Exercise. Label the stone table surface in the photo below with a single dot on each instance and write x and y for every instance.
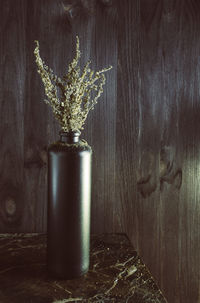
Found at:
(116, 273)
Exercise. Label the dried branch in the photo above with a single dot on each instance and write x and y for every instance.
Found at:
(72, 107)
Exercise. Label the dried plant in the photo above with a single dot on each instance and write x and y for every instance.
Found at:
(70, 96)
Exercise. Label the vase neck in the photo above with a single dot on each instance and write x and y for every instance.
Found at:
(70, 137)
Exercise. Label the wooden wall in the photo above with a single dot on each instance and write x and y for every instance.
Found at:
(159, 83)
(145, 130)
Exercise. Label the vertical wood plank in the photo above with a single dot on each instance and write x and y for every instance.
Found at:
(104, 54)
(12, 82)
(35, 120)
(128, 112)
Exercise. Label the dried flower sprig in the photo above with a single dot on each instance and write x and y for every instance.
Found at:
(70, 96)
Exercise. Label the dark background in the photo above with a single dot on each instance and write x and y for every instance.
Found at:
(145, 130)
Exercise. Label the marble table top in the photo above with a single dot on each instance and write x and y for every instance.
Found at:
(116, 273)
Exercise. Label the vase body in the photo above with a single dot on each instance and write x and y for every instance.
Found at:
(68, 221)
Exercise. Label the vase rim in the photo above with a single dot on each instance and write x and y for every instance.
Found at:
(70, 132)
(71, 136)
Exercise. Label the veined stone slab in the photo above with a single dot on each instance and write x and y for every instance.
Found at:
(116, 273)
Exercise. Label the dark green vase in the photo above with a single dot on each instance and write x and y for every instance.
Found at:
(68, 222)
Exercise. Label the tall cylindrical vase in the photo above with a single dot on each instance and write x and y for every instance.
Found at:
(68, 221)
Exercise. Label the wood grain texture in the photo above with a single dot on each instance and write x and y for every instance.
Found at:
(13, 66)
(159, 139)
(144, 131)
(104, 54)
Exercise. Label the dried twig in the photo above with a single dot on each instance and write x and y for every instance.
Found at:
(74, 102)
